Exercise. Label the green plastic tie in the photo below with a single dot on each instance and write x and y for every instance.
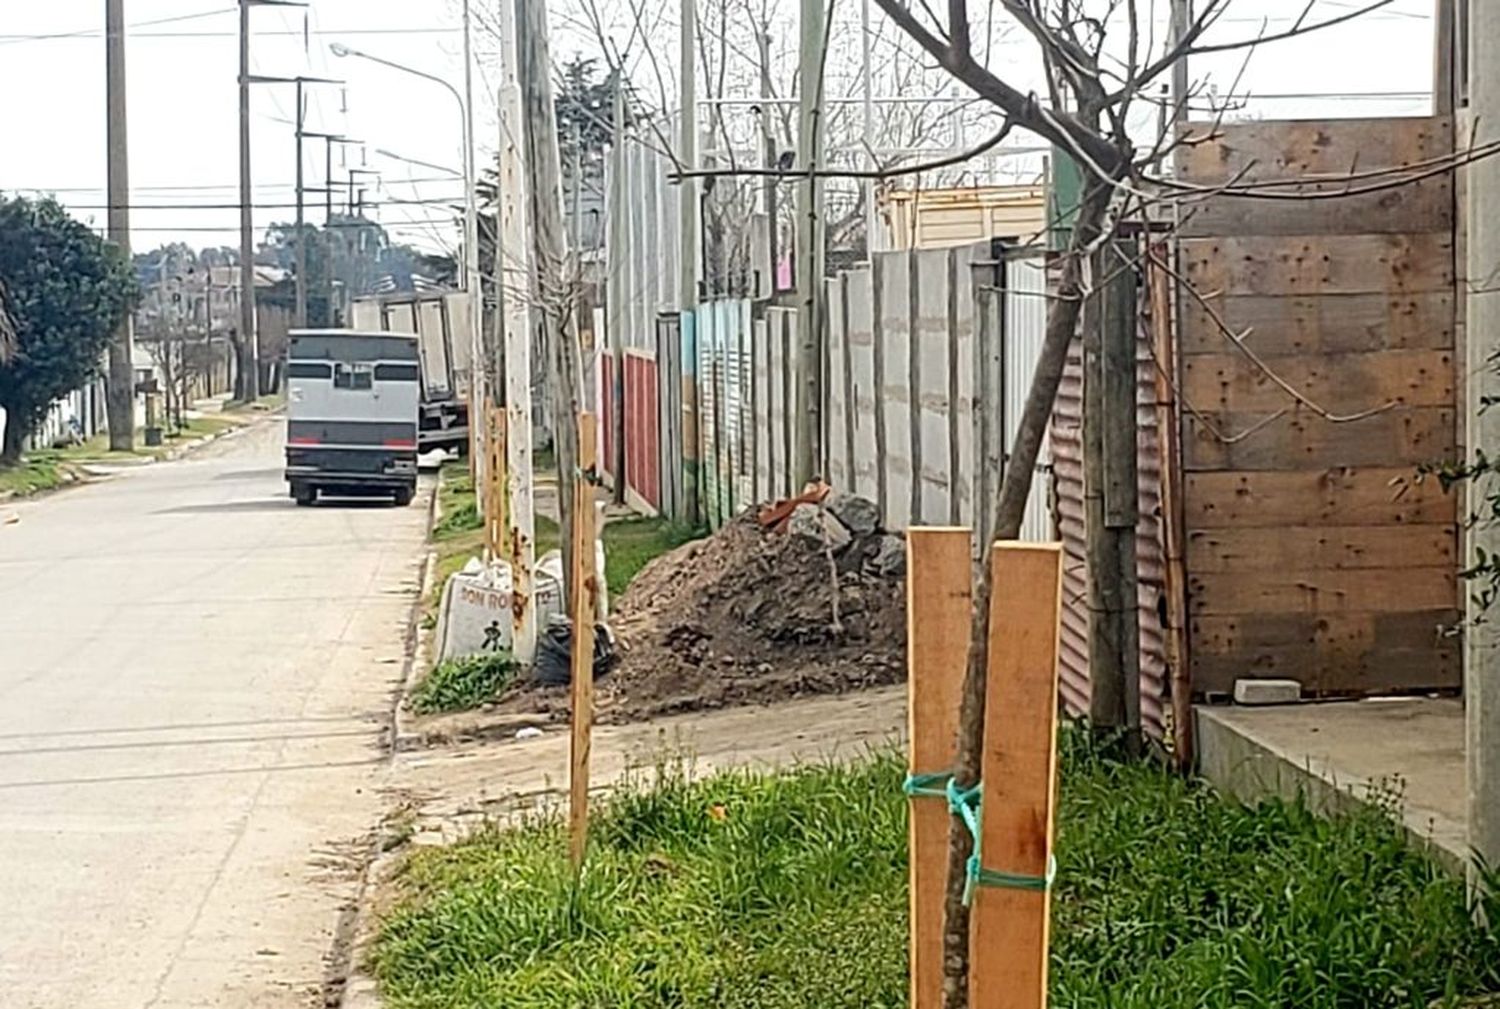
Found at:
(965, 804)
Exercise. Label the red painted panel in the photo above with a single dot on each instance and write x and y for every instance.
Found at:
(642, 436)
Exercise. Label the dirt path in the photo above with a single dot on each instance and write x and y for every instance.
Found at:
(448, 791)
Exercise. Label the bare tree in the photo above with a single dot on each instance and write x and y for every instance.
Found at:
(1098, 60)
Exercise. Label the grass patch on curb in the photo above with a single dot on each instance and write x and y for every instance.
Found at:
(779, 891)
(35, 473)
(629, 543)
(461, 684)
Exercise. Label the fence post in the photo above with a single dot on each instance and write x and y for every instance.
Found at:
(1008, 927)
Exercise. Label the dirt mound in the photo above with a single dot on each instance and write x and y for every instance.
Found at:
(749, 615)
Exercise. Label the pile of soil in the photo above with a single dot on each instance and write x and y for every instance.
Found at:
(747, 616)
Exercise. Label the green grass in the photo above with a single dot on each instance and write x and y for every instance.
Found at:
(461, 684)
(628, 543)
(35, 473)
(782, 891)
(46, 469)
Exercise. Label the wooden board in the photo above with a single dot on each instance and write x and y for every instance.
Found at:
(1423, 205)
(584, 580)
(1320, 264)
(1340, 653)
(1329, 323)
(1321, 547)
(1346, 383)
(1281, 149)
(1323, 590)
(1409, 436)
(939, 586)
(1333, 496)
(1008, 928)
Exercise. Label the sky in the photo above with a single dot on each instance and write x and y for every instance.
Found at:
(183, 59)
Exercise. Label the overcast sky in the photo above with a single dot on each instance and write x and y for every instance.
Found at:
(183, 60)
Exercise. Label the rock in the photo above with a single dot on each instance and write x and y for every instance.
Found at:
(890, 557)
(859, 514)
(816, 525)
(529, 732)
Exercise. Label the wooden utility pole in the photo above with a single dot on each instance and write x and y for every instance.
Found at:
(1110, 494)
(1182, 17)
(555, 286)
(513, 256)
(120, 389)
(807, 453)
(688, 253)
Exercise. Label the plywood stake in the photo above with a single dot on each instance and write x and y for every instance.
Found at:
(582, 606)
(939, 589)
(1008, 927)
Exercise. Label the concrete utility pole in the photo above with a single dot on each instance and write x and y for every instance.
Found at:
(807, 453)
(120, 389)
(1182, 17)
(1482, 638)
(513, 254)
(555, 286)
(249, 363)
(300, 314)
(688, 264)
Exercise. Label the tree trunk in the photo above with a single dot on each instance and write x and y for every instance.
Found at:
(15, 434)
(1014, 490)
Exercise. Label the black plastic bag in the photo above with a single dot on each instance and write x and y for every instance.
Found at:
(554, 652)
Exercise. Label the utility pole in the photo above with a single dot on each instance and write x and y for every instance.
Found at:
(513, 255)
(769, 157)
(1182, 18)
(807, 452)
(300, 315)
(120, 389)
(867, 102)
(688, 262)
(556, 288)
(249, 364)
(1110, 496)
(1482, 306)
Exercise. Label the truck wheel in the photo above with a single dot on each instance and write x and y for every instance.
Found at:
(304, 495)
(403, 496)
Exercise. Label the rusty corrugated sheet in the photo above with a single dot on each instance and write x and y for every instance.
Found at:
(1067, 465)
(1067, 473)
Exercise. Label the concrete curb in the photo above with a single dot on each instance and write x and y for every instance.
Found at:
(359, 990)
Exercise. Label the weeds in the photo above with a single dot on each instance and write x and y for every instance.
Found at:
(460, 684)
(789, 890)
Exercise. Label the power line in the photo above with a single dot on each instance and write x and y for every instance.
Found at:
(95, 33)
(387, 202)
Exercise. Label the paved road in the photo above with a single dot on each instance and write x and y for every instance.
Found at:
(195, 678)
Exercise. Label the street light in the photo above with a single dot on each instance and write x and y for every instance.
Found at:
(471, 209)
(471, 237)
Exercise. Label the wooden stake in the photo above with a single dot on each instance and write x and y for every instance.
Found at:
(939, 580)
(583, 604)
(1008, 927)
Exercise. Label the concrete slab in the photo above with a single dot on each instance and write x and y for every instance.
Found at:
(1339, 753)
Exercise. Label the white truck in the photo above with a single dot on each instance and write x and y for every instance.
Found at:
(440, 322)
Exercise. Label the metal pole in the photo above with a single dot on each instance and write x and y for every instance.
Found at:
(807, 449)
(688, 239)
(120, 390)
(249, 340)
(300, 317)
